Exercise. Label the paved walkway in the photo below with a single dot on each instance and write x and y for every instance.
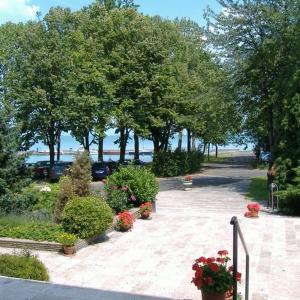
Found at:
(155, 258)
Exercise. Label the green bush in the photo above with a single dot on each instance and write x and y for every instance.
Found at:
(23, 266)
(17, 203)
(22, 228)
(81, 174)
(139, 183)
(86, 216)
(168, 164)
(282, 172)
(289, 201)
(117, 200)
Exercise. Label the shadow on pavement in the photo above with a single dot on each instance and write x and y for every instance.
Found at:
(20, 289)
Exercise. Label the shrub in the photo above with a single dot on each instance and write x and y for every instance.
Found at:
(86, 216)
(80, 173)
(125, 221)
(67, 239)
(176, 163)
(17, 203)
(289, 201)
(117, 199)
(138, 182)
(23, 266)
(282, 172)
(21, 228)
(66, 193)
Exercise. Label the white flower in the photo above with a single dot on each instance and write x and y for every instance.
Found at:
(45, 189)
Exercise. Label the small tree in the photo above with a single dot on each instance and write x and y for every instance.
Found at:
(81, 174)
(66, 193)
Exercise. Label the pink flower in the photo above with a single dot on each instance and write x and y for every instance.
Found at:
(132, 198)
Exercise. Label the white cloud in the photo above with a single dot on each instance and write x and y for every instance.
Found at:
(17, 10)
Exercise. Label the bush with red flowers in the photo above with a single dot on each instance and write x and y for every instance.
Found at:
(253, 209)
(145, 210)
(212, 275)
(125, 221)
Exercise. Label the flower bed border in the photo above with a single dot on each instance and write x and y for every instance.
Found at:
(6, 242)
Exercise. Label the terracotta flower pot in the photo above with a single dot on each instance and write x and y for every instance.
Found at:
(212, 296)
(69, 250)
(145, 214)
(187, 185)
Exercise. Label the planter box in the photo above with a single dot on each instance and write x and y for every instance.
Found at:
(6, 242)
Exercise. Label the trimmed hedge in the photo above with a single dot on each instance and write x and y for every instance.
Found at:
(86, 216)
(168, 164)
(23, 266)
(289, 201)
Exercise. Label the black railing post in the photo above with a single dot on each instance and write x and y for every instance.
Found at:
(235, 256)
(238, 233)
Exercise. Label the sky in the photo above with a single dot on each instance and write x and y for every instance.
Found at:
(23, 10)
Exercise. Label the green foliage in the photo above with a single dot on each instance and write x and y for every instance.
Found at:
(86, 216)
(67, 239)
(22, 228)
(117, 199)
(23, 266)
(80, 173)
(176, 163)
(258, 189)
(66, 193)
(17, 203)
(289, 201)
(282, 172)
(139, 182)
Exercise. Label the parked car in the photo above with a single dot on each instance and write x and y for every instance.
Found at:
(40, 169)
(135, 162)
(265, 157)
(59, 169)
(100, 170)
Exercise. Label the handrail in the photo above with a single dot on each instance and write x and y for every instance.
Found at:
(238, 233)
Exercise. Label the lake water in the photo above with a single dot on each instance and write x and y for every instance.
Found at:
(69, 143)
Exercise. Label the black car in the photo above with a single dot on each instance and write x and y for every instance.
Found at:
(40, 169)
(100, 170)
(135, 162)
(59, 169)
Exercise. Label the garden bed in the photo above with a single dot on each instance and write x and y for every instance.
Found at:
(57, 247)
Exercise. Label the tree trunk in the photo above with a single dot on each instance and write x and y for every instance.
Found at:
(271, 128)
(86, 144)
(58, 147)
(208, 151)
(193, 143)
(188, 140)
(216, 150)
(123, 142)
(100, 148)
(179, 140)
(51, 145)
(156, 145)
(136, 147)
(204, 148)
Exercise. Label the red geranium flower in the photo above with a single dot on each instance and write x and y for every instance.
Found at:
(214, 267)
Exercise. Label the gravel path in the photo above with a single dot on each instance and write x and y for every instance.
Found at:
(155, 258)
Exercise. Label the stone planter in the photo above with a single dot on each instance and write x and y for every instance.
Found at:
(187, 185)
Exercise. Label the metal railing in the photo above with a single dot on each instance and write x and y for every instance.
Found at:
(237, 233)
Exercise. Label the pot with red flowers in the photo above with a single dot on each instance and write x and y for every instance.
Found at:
(145, 210)
(253, 210)
(124, 221)
(187, 183)
(213, 277)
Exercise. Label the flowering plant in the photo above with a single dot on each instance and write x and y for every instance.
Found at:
(145, 209)
(188, 178)
(67, 239)
(125, 221)
(212, 274)
(253, 209)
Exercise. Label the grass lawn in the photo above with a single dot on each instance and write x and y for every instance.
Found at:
(258, 189)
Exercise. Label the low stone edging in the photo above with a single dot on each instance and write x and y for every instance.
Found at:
(57, 247)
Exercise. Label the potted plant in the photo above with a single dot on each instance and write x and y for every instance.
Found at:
(253, 210)
(213, 277)
(145, 210)
(187, 182)
(68, 241)
(125, 221)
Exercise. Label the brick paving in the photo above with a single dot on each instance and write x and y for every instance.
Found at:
(155, 258)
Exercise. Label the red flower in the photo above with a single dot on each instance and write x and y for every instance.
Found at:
(223, 252)
(208, 280)
(238, 276)
(230, 269)
(197, 281)
(214, 267)
(201, 259)
(220, 260)
(210, 260)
